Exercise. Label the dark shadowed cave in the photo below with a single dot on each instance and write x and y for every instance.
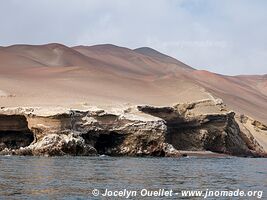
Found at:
(15, 139)
(104, 142)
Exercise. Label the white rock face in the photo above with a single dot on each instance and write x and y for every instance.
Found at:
(61, 144)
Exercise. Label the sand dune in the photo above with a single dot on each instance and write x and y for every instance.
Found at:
(54, 74)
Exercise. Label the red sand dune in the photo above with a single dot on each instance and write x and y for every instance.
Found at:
(54, 74)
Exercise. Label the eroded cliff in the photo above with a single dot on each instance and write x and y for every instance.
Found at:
(134, 131)
(207, 126)
(91, 132)
(14, 132)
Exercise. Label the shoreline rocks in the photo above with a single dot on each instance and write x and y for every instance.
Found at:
(133, 131)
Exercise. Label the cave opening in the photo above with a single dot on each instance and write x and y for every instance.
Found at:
(15, 139)
(184, 136)
(105, 142)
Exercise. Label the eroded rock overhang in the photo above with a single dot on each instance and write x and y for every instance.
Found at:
(14, 132)
(90, 132)
(133, 131)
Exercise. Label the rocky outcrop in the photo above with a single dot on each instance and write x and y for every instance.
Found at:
(14, 132)
(94, 132)
(205, 125)
(134, 131)
(254, 133)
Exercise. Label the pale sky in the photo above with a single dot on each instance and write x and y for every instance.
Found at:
(223, 36)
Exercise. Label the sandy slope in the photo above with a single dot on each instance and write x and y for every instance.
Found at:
(54, 74)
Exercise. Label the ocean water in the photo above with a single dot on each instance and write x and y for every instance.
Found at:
(76, 177)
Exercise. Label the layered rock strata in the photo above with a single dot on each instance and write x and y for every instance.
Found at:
(91, 132)
(133, 131)
(207, 125)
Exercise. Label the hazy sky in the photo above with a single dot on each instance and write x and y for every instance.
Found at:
(224, 36)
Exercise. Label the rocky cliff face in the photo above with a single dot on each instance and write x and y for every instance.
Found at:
(254, 134)
(190, 127)
(134, 131)
(92, 132)
(14, 132)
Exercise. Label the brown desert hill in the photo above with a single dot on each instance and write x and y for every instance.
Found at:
(257, 82)
(244, 94)
(122, 59)
(49, 55)
(55, 74)
(160, 56)
(10, 60)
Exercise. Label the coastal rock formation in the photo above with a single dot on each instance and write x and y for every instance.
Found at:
(72, 132)
(207, 125)
(144, 130)
(14, 132)
(254, 133)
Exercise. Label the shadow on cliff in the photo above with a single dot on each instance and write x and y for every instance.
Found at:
(14, 132)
